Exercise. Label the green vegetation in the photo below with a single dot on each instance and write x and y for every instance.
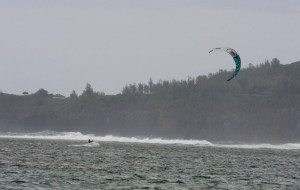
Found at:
(262, 104)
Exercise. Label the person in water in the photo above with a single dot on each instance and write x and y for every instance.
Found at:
(90, 140)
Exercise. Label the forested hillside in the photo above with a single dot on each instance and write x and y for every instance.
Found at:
(262, 104)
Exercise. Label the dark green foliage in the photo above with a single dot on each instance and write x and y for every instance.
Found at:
(88, 90)
(261, 104)
(41, 93)
(73, 94)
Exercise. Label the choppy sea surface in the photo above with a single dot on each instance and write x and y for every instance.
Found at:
(55, 160)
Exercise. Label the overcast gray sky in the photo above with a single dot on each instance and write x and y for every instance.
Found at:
(60, 45)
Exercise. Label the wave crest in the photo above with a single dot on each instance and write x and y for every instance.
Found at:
(53, 135)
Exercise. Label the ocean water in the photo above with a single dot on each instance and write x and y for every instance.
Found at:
(54, 160)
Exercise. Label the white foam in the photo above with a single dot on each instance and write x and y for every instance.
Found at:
(52, 135)
(287, 146)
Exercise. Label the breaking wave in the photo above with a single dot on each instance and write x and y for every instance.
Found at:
(52, 135)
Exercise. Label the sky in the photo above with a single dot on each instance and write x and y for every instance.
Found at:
(61, 45)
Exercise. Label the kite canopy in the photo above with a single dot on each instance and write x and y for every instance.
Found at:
(235, 57)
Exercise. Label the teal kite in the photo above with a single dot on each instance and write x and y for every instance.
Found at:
(235, 57)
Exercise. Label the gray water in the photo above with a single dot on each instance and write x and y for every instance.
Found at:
(59, 164)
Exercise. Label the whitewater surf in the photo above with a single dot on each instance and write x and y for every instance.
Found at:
(75, 136)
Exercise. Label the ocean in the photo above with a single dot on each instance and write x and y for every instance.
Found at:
(64, 160)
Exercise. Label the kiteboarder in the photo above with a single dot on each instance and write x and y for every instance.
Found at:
(90, 141)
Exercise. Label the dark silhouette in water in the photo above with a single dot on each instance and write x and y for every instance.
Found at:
(90, 141)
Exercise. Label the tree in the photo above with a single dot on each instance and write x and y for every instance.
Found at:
(73, 94)
(150, 84)
(140, 88)
(126, 90)
(88, 90)
(275, 62)
(41, 93)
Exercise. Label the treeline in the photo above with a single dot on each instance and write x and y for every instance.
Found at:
(262, 104)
